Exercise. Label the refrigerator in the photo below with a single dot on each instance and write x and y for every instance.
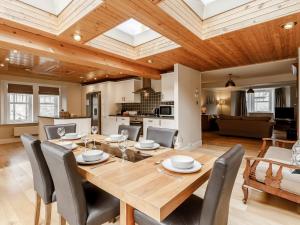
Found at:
(93, 108)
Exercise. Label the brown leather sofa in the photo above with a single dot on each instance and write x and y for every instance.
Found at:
(254, 127)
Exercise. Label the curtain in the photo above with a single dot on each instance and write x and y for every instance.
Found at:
(279, 97)
(241, 104)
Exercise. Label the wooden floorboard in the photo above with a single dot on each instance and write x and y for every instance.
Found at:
(17, 194)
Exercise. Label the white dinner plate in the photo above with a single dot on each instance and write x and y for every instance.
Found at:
(155, 146)
(74, 145)
(80, 160)
(71, 138)
(167, 164)
(109, 140)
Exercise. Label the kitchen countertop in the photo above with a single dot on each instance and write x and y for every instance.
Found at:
(147, 116)
(65, 118)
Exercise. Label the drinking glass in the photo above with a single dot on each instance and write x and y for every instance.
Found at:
(61, 132)
(123, 144)
(85, 140)
(94, 131)
(177, 142)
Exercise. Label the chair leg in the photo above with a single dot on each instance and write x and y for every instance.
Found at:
(62, 221)
(246, 193)
(37, 209)
(48, 209)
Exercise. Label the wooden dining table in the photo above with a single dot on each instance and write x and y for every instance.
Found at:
(145, 185)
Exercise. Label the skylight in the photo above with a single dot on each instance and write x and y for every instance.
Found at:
(132, 27)
(205, 2)
(51, 6)
(132, 32)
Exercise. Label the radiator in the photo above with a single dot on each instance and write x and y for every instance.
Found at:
(18, 131)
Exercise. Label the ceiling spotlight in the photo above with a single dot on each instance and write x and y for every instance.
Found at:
(2, 65)
(95, 78)
(15, 51)
(289, 25)
(77, 37)
(27, 69)
(6, 59)
(230, 82)
(150, 61)
(106, 76)
(81, 77)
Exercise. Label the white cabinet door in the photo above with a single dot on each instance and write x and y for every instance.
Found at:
(122, 121)
(168, 123)
(109, 125)
(149, 122)
(124, 91)
(167, 87)
(119, 92)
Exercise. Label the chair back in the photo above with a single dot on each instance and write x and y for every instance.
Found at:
(42, 180)
(134, 132)
(218, 192)
(71, 202)
(164, 137)
(51, 130)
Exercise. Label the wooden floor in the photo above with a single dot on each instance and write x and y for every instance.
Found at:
(17, 195)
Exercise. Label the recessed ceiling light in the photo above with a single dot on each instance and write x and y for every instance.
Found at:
(289, 25)
(28, 69)
(2, 65)
(77, 37)
(150, 61)
(15, 51)
(6, 59)
(106, 75)
(121, 72)
(81, 77)
(95, 78)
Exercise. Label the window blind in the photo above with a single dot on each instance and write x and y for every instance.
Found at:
(20, 89)
(48, 90)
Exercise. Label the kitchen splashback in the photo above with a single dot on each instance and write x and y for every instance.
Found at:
(147, 103)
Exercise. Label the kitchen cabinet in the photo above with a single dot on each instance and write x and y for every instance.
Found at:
(124, 91)
(159, 123)
(110, 124)
(167, 87)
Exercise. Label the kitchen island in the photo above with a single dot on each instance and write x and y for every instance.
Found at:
(83, 124)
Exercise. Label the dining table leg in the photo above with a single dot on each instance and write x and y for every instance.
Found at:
(126, 214)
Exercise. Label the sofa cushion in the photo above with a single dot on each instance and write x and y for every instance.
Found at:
(256, 118)
(227, 117)
(290, 181)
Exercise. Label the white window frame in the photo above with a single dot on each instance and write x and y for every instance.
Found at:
(8, 109)
(251, 101)
(4, 115)
(58, 104)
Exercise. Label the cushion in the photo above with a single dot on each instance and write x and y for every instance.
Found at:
(290, 181)
(255, 118)
(227, 117)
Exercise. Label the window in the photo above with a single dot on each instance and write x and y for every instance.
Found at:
(261, 100)
(20, 107)
(49, 105)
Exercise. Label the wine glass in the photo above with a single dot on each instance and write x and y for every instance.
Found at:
(177, 142)
(123, 144)
(85, 140)
(94, 131)
(61, 132)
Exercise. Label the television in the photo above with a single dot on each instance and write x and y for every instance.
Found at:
(284, 113)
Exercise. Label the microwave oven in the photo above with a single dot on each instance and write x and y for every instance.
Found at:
(166, 110)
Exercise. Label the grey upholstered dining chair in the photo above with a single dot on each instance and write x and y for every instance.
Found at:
(134, 132)
(51, 130)
(163, 136)
(78, 202)
(213, 209)
(42, 180)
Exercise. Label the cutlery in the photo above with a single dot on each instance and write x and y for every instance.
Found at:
(101, 164)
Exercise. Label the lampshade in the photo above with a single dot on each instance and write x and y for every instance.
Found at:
(250, 91)
(230, 82)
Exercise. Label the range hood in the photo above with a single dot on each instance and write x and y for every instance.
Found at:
(146, 86)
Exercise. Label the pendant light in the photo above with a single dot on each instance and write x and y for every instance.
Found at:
(250, 91)
(230, 82)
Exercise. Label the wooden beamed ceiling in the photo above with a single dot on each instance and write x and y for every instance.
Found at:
(254, 44)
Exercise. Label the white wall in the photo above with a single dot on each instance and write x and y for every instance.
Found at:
(187, 111)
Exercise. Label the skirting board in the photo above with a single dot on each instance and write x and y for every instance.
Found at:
(9, 140)
(191, 146)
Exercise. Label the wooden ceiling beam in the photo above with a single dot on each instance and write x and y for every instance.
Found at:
(12, 38)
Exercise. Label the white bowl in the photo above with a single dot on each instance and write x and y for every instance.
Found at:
(92, 155)
(182, 161)
(66, 144)
(147, 143)
(71, 135)
(115, 137)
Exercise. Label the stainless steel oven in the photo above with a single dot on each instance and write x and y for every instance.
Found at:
(137, 121)
(166, 110)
